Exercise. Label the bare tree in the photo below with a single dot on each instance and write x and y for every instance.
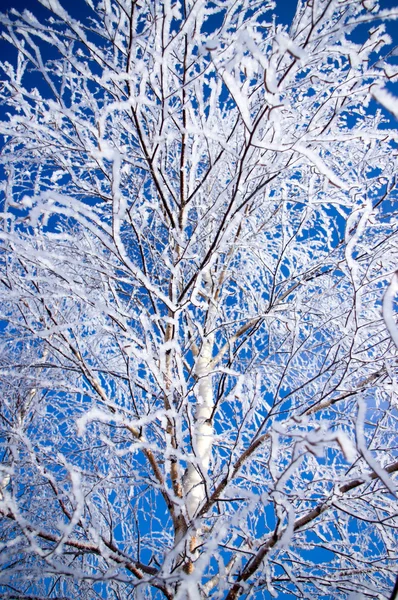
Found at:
(198, 372)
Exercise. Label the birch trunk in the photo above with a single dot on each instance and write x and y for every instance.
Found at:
(202, 434)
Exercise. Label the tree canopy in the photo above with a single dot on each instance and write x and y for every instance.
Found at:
(198, 349)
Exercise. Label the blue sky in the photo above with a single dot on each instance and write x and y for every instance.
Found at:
(285, 10)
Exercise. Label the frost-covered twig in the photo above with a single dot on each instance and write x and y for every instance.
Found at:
(388, 308)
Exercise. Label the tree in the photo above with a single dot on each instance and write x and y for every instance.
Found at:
(198, 371)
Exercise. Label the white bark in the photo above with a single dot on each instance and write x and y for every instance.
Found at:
(202, 430)
(175, 280)
(202, 434)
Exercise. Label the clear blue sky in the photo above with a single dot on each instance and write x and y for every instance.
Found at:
(284, 9)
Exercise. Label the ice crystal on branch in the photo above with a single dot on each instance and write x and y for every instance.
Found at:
(198, 369)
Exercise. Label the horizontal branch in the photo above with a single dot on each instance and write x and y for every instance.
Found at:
(135, 567)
